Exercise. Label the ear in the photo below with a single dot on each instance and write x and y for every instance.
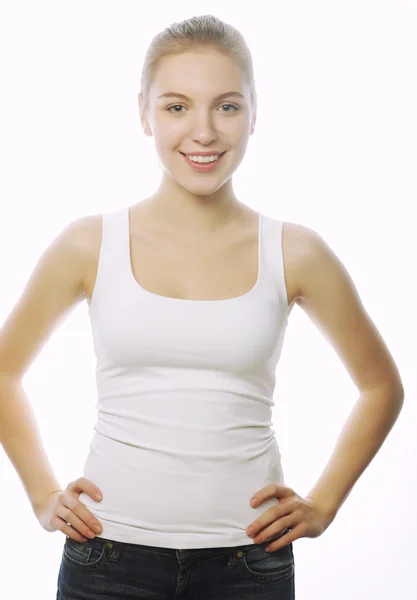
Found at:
(143, 116)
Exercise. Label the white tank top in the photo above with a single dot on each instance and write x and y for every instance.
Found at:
(185, 388)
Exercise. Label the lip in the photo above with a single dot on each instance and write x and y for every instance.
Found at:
(206, 167)
(212, 153)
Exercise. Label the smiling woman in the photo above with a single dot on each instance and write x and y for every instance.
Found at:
(211, 114)
(190, 293)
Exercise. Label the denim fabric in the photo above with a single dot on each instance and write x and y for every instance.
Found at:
(101, 569)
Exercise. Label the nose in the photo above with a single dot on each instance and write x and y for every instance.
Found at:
(204, 131)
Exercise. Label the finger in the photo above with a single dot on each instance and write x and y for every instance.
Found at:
(277, 528)
(70, 517)
(82, 484)
(270, 517)
(283, 541)
(82, 512)
(266, 492)
(60, 525)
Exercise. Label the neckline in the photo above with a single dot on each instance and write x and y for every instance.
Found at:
(190, 301)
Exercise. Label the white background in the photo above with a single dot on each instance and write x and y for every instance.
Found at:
(334, 149)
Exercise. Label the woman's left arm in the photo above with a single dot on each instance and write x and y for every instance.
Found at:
(328, 296)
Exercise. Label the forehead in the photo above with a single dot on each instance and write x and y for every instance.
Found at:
(193, 72)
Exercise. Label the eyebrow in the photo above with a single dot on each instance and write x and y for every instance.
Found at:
(184, 97)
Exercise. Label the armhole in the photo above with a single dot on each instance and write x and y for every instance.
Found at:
(280, 264)
(101, 234)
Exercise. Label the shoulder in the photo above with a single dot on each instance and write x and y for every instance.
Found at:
(86, 230)
(301, 248)
(84, 235)
(322, 282)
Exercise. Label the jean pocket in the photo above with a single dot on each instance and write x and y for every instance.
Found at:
(86, 554)
(269, 566)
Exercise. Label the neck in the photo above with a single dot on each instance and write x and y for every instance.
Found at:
(192, 215)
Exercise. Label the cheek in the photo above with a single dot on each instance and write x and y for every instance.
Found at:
(168, 134)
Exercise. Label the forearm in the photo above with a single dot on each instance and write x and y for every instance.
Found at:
(364, 432)
(21, 440)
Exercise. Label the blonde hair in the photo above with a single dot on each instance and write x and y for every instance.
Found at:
(206, 31)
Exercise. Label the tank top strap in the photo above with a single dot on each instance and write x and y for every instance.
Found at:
(112, 269)
(273, 257)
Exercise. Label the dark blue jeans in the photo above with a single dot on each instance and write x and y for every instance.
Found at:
(101, 569)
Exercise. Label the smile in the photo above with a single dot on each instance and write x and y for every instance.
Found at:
(207, 166)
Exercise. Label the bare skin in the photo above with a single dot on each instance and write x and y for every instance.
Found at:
(220, 265)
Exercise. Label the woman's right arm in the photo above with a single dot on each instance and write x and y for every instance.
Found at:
(54, 288)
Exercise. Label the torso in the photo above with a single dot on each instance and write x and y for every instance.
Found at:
(221, 267)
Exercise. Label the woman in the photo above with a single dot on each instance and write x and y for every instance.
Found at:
(189, 295)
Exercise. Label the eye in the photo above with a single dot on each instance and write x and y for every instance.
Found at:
(175, 106)
(235, 108)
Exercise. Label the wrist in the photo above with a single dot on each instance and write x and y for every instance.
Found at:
(37, 503)
(328, 510)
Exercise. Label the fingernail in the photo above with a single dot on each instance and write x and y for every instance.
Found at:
(254, 501)
(98, 496)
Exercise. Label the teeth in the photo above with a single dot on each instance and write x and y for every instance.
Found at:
(203, 159)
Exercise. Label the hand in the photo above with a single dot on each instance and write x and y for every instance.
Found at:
(305, 516)
(61, 510)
